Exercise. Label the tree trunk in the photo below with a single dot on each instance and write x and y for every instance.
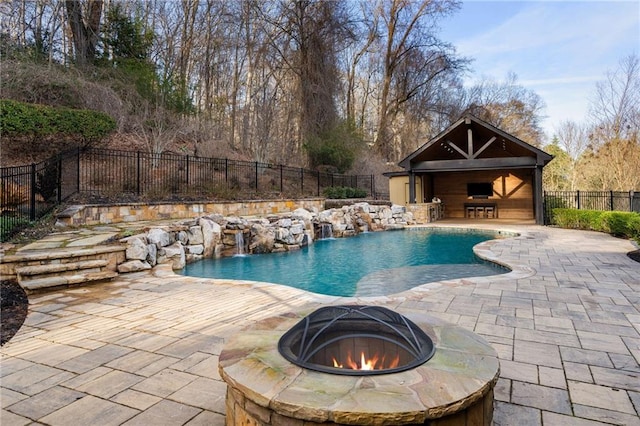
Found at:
(85, 37)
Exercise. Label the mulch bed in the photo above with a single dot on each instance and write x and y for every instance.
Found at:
(14, 308)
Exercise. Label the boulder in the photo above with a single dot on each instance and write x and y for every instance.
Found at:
(195, 235)
(397, 210)
(284, 223)
(303, 214)
(133, 266)
(137, 249)
(159, 237)
(182, 237)
(210, 235)
(262, 239)
(283, 235)
(297, 228)
(173, 254)
(152, 254)
(194, 249)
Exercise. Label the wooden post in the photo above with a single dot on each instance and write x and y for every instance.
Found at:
(412, 188)
(537, 196)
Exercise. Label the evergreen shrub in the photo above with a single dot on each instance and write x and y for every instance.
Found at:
(619, 224)
(38, 121)
(342, 192)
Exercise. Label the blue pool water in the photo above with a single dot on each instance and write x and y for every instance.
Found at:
(370, 264)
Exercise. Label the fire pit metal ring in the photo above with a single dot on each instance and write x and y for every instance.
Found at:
(356, 340)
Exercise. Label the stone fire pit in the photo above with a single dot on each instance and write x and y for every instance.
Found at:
(455, 387)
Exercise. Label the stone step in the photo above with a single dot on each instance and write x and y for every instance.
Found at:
(61, 253)
(66, 280)
(10, 264)
(56, 268)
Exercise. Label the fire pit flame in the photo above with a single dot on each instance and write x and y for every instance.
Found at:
(356, 340)
(366, 364)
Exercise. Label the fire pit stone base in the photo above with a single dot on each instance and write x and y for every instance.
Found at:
(455, 387)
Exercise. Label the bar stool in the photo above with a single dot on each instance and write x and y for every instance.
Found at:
(471, 211)
(489, 212)
(479, 212)
(433, 214)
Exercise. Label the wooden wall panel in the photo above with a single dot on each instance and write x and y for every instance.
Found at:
(513, 191)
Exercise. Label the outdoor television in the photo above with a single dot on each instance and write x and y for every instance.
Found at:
(480, 190)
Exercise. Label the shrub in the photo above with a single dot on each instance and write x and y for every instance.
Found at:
(619, 224)
(341, 192)
(336, 147)
(39, 121)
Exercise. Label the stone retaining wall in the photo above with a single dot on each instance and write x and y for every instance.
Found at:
(215, 235)
(136, 212)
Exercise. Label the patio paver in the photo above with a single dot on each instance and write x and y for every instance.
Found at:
(143, 349)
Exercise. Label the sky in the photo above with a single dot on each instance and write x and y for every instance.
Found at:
(558, 49)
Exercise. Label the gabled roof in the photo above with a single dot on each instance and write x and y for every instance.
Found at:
(471, 143)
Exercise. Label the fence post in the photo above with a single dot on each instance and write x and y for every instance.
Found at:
(611, 200)
(59, 180)
(256, 175)
(578, 199)
(138, 172)
(318, 182)
(281, 187)
(373, 192)
(631, 200)
(32, 201)
(226, 171)
(302, 180)
(187, 169)
(78, 172)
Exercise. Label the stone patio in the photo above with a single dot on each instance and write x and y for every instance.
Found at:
(143, 349)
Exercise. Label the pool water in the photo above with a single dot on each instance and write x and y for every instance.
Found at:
(370, 264)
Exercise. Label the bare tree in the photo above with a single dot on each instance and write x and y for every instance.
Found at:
(85, 30)
(412, 57)
(574, 140)
(361, 44)
(509, 106)
(615, 107)
(615, 134)
(156, 129)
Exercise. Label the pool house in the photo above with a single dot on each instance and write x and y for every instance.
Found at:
(476, 170)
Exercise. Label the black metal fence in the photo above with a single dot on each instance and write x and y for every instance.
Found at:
(29, 192)
(626, 201)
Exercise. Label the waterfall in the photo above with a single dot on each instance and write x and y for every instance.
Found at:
(326, 231)
(239, 244)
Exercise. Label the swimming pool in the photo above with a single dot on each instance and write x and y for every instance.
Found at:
(370, 264)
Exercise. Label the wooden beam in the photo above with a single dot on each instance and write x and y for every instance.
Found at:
(474, 164)
(452, 145)
(485, 146)
(469, 143)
